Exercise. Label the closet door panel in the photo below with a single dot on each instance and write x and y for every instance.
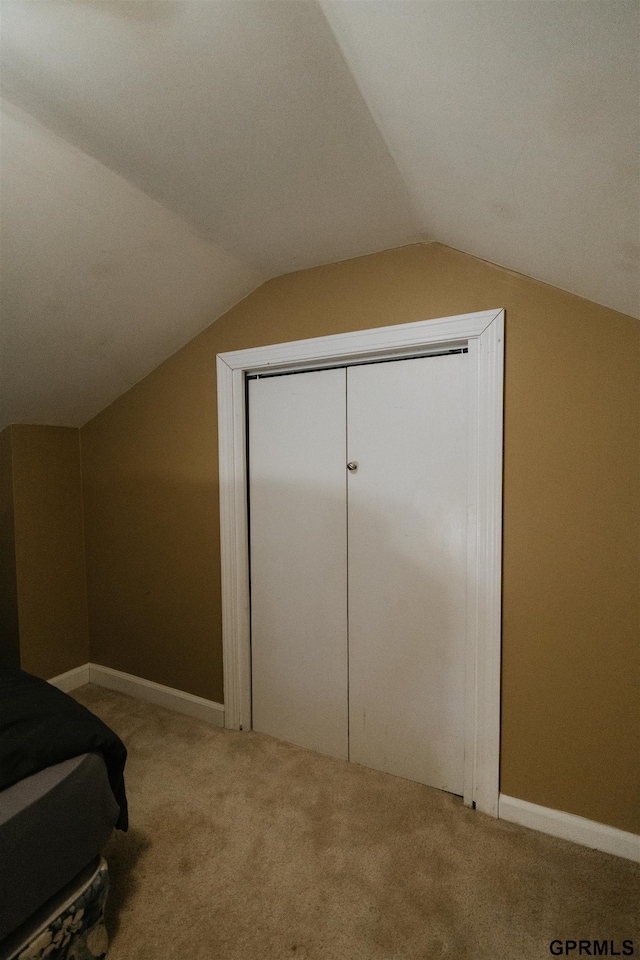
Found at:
(297, 514)
(407, 543)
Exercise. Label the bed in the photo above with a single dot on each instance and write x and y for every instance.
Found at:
(62, 793)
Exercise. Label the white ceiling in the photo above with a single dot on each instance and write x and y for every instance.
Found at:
(161, 159)
(516, 127)
(100, 283)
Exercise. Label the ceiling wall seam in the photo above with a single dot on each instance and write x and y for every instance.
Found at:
(373, 113)
(172, 355)
(534, 279)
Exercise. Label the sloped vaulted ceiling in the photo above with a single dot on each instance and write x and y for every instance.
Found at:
(161, 159)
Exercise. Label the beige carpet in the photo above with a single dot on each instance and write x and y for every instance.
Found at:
(245, 848)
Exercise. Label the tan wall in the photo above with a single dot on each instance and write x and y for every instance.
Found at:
(570, 711)
(9, 636)
(50, 564)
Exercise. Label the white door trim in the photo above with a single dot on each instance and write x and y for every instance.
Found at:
(483, 333)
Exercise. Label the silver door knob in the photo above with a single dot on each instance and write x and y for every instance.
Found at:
(352, 465)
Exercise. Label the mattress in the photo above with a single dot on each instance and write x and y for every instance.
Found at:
(70, 926)
(52, 824)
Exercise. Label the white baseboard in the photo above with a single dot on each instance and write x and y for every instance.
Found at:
(157, 693)
(567, 826)
(556, 823)
(141, 689)
(72, 678)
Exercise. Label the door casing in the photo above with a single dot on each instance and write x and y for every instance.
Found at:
(483, 334)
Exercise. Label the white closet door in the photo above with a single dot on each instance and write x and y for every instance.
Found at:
(407, 522)
(297, 502)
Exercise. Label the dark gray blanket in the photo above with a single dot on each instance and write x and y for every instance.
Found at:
(40, 726)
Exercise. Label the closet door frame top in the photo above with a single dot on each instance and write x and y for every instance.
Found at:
(483, 335)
